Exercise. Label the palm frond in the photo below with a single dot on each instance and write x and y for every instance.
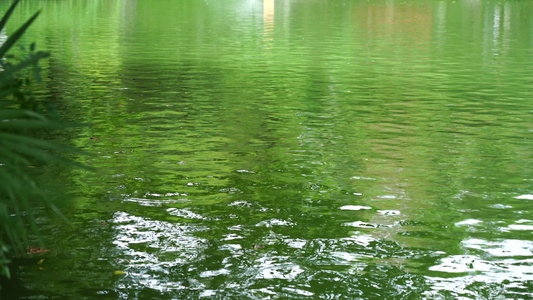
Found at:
(17, 35)
(21, 116)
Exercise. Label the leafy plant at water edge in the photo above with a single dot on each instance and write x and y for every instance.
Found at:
(22, 116)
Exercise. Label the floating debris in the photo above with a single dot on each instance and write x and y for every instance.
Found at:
(37, 250)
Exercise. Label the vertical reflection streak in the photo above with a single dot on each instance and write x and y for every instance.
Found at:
(268, 21)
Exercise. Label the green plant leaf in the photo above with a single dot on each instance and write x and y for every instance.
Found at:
(16, 36)
(8, 13)
(9, 72)
(28, 124)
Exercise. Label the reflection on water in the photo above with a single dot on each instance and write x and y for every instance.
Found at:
(293, 149)
(268, 18)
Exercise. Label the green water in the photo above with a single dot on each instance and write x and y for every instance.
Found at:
(372, 149)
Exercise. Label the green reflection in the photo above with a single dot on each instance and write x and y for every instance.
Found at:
(227, 124)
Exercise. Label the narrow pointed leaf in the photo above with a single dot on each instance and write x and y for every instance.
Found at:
(8, 13)
(16, 36)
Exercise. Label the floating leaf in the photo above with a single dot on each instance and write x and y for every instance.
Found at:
(37, 250)
(118, 272)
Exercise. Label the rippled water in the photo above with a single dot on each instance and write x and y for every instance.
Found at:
(289, 149)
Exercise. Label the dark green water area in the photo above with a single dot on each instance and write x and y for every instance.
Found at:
(287, 149)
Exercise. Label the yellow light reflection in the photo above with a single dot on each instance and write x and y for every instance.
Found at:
(268, 21)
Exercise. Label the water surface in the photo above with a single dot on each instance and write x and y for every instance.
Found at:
(288, 149)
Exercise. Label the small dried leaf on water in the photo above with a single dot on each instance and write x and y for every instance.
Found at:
(118, 272)
(258, 246)
(40, 262)
(37, 250)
